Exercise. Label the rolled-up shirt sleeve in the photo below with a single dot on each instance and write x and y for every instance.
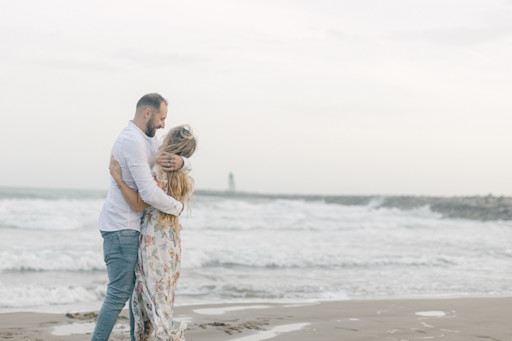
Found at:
(187, 165)
(137, 161)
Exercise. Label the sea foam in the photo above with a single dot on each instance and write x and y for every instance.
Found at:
(243, 248)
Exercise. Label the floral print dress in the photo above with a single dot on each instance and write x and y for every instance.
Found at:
(156, 277)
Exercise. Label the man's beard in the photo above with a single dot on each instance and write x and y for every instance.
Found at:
(150, 128)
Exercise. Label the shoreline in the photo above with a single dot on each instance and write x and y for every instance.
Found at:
(469, 318)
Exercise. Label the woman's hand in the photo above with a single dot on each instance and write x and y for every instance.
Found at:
(115, 170)
(170, 162)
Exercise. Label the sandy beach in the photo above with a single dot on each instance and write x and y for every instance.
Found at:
(394, 320)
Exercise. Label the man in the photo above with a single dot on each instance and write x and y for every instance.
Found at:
(119, 224)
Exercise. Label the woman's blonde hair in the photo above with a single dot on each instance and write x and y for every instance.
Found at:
(180, 141)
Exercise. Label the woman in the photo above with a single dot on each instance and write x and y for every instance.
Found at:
(158, 267)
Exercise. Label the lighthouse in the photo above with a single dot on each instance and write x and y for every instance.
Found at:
(231, 183)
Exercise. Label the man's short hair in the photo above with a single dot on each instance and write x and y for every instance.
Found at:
(153, 100)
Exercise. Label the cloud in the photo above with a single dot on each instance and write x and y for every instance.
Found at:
(336, 34)
(142, 56)
(457, 36)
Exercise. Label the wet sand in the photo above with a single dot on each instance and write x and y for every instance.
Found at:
(394, 320)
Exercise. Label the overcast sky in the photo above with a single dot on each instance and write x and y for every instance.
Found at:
(328, 97)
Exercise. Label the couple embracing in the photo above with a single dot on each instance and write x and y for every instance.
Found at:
(139, 224)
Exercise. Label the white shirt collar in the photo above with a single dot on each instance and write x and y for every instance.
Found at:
(134, 126)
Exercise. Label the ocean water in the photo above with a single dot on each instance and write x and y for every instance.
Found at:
(254, 248)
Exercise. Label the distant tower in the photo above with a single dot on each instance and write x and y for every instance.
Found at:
(231, 183)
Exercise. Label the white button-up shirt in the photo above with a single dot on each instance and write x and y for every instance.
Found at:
(135, 151)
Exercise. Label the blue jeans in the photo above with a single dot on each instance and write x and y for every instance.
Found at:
(120, 250)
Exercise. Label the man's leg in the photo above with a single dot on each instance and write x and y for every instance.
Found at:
(120, 250)
(132, 320)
